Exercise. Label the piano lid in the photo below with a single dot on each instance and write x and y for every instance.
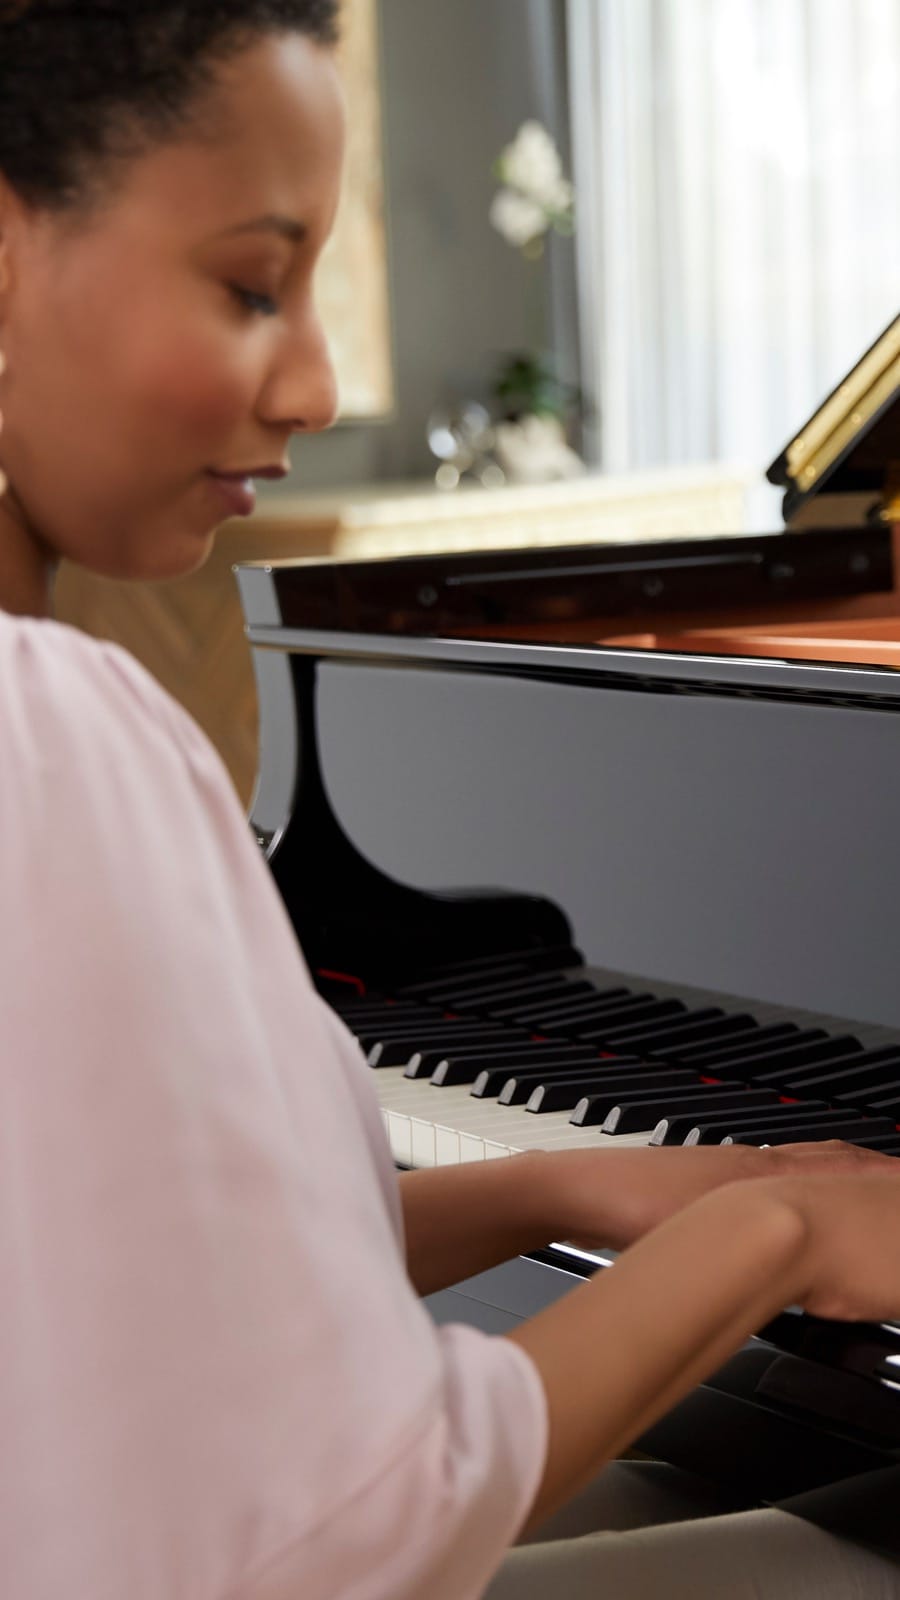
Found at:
(846, 457)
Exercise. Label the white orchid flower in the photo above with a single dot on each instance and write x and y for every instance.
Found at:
(519, 219)
(532, 165)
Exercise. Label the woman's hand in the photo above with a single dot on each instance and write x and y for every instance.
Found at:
(852, 1261)
(624, 1348)
(616, 1196)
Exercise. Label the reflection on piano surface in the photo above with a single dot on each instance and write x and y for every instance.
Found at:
(488, 1031)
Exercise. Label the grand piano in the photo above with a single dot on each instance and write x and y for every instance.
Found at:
(693, 934)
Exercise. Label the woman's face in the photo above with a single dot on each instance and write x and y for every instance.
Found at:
(172, 335)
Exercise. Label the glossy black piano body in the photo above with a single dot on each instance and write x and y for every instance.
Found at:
(718, 824)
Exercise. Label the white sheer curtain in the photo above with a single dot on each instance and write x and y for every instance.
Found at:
(738, 174)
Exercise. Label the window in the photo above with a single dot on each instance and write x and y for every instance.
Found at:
(738, 172)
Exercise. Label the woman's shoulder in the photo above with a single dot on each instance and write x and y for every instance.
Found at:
(62, 689)
(40, 655)
(101, 768)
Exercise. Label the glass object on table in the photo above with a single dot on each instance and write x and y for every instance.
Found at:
(461, 437)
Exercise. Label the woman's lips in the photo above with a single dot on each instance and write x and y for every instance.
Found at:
(238, 494)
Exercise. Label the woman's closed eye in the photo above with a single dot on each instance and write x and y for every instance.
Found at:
(261, 304)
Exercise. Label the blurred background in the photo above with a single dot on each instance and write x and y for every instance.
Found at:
(737, 194)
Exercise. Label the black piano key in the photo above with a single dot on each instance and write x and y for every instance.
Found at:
(560, 1010)
(748, 1031)
(595, 1108)
(494, 1078)
(514, 1009)
(838, 1071)
(814, 1115)
(745, 1058)
(682, 1019)
(888, 1144)
(656, 1035)
(887, 1103)
(447, 980)
(777, 1065)
(883, 1095)
(558, 958)
(385, 1029)
(439, 986)
(674, 1129)
(519, 1086)
(357, 1017)
(424, 1062)
(618, 1010)
(562, 1094)
(667, 1037)
(533, 1011)
(606, 1031)
(706, 1056)
(374, 1002)
(793, 1069)
(400, 1052)
(492, 1081)
(861, 1077)
(852, 1131)
(638, 1111)
(457, 1071)
(385, 1025)
(396, 1049)
(554, 985)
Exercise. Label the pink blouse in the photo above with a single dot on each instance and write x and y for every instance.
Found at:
(216, 1382)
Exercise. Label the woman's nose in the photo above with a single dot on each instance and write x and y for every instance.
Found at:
(302, 393)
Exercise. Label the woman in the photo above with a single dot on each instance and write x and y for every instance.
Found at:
(216, 1379)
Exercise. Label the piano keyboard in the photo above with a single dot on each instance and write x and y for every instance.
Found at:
(632, 1063)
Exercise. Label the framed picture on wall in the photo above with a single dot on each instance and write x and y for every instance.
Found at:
(352, 288)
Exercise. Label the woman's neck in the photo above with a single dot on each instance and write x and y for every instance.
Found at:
(27, 566)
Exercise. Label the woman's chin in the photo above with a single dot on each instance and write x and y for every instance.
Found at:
(161, 559)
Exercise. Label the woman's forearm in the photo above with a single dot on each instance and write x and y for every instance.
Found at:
(619, 1352)
(464, 1219)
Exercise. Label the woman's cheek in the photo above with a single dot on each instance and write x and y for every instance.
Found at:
(198, 391)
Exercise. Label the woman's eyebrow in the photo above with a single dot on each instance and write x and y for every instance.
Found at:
(288, 227)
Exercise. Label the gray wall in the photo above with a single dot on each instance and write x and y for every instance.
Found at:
(459, 78)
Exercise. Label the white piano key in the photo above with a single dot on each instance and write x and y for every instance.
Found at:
(446, 1146)
(423, 1143)
(399, 1134)
(470, 1148)
(441, 1127)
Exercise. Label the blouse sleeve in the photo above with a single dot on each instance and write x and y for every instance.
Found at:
(216, 1382)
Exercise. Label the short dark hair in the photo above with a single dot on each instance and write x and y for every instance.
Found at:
(84, 83)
